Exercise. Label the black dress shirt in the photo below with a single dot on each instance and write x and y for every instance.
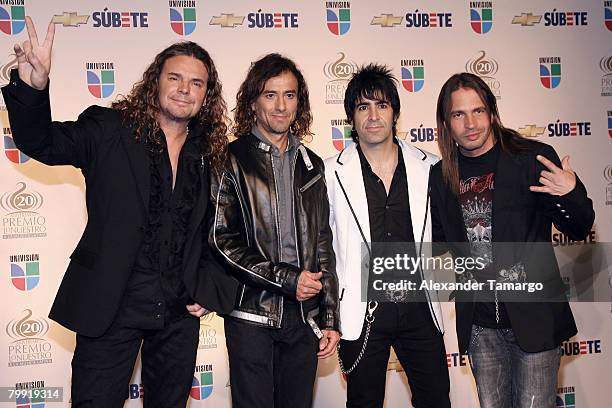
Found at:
(155, 294)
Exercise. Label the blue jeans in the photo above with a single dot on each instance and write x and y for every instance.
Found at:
(508, 377)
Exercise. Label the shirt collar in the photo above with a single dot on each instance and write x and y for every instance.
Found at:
(292, 142)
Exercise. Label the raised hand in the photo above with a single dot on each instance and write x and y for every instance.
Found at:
(34, 60)
(556, 181)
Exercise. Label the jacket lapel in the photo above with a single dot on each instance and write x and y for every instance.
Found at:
(139, 162)
(417, 176)
(505, 192)
(350, 178)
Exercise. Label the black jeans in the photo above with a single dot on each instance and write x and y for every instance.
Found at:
(409, 329)
(102, 366)
(272, 368)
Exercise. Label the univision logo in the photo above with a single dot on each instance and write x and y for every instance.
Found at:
(202, 384)
(25, 271)
(183, 16)
(100, 78)
(12, 16)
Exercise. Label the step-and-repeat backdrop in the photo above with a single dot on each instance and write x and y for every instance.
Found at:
(549, 63)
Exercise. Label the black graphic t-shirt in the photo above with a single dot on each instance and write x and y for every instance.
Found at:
(476, 185)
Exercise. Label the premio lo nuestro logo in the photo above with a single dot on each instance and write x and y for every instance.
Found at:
(550, 72)
(481, 16)
(5, 77)
(100, 78)
(12, 16)
(29, 346)
(338, 16)
(339, 72)
(21, 218)
(413, 74)
(607, 174)
(341, 134)
(486, 68)
(25, 271)
(202, 385)
(207, 334)
(605, 64)
(566, 397)
(183, 16)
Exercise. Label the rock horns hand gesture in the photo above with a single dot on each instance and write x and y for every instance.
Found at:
(557, 180)
(34, 60)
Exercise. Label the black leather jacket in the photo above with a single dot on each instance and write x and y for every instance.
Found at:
(246, 233)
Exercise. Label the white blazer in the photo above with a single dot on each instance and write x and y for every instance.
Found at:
(350, 222)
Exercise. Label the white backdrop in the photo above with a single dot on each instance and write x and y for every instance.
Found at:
(424, 42)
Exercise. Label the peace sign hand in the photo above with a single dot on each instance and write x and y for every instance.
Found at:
(34, 60)
(557, 181)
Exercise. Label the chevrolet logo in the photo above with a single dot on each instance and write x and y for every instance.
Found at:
(531, 131)
(69, 19)
(227, 20)
(526, 19)
(386, 20)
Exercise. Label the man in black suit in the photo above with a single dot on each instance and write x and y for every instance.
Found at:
(491, 187)
(142, 273)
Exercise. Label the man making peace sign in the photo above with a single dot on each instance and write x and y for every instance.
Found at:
(142, 272)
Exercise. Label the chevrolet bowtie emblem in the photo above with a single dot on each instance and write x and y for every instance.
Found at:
(526, 19)
(386, 20)
(531, 131)
(226, 20)
(69, 19)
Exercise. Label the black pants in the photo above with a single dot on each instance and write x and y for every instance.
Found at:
(409, 329)
(102, 366)
(271, 368)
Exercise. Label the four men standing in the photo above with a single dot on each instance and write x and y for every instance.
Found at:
(154, 160)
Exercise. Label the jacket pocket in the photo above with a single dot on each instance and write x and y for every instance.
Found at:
(310, 183)
(84, 256)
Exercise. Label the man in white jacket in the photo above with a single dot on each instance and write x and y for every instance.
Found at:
(378, 196)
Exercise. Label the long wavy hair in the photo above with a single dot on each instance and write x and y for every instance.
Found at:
(267, 67)
(141, 107)
(509, 140)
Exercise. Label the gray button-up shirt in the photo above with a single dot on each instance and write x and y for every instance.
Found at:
(283, 178)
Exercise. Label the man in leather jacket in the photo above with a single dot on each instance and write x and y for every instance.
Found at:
(271, 228)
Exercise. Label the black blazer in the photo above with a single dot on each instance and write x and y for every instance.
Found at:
(519, 216)
(116, 171)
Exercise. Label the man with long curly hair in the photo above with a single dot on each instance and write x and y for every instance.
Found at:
(142, 273)
(271, 226)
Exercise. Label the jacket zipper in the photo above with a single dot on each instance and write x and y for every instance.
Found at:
(297, 253)
(278, 236)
